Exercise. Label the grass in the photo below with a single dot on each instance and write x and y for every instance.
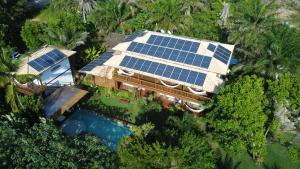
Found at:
(121, 99)
(277, 157)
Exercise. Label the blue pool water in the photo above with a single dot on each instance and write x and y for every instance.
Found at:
(84, 121)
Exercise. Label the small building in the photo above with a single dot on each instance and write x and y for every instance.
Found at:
(50, 67)
(180, 69)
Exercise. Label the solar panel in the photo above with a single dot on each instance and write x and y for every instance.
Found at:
(100, 61)
(46, 60)
(211, 47)
(163, 70)
(134, 36)
(222, 54)
(174, 43)
(180, 56)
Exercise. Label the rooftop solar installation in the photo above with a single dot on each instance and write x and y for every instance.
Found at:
(163, 70)
(46, 60)
(174, 43)
(97, 62)
(175, 55)
(222, 54)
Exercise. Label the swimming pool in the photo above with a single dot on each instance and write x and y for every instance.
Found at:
(85, 121)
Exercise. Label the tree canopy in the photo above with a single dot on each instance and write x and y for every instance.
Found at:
(238, 116)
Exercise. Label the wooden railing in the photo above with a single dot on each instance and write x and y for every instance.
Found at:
(155, 86)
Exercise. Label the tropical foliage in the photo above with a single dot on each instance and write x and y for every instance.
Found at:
(239, 112)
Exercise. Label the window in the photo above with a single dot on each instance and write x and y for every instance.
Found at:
(55, 68)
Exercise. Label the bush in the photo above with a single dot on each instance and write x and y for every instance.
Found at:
(294, 154)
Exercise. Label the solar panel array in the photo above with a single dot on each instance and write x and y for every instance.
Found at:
(222, 54)
(211, 47)
(97, 62)
(163, 70)
(175, 55)
(46, 60)
(174, 43)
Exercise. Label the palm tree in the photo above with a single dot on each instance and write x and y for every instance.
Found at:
(280, 53)
(132, 4)
(8, 65)
(191, 6)
(86, 6)
(168, 15)
(252, 18)
(109, 15)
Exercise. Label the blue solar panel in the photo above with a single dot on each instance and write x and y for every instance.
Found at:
(36, 66)
(132, 46)
(189, 59)
(174, 55)
(200, 79)
(183, 75)
(176, 73)
(195, 46)
(179, 44)
(168, 71)
(206, 62)
(165, 41)
(198, 60)
(158, 40)
(151, 39)
(211, 47)
(164, 70)
(101, 60)
(46, 60)
(174, 43)
(159, 52)
(192, 77)
(134, 36)
(222, 54)
(180, 56)
(153, 67)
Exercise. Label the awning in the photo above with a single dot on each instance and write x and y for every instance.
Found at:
(61, 100)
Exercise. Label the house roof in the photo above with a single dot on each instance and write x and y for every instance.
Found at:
(199, 63)
(37, 62)
(62, 99)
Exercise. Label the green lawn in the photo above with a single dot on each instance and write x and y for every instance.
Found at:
(277, 157)
(132, 106)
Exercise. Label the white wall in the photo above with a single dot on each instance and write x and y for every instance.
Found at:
(58, 75)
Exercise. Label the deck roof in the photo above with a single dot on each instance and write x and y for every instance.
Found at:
(62, 99)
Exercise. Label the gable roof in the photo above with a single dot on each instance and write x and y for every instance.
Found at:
(42, 59)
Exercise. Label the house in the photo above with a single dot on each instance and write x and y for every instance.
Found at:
(179, 69)
(50, 67)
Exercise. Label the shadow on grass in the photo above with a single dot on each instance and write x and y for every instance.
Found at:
(227, 163)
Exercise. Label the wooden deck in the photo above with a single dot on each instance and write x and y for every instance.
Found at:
(154, 85)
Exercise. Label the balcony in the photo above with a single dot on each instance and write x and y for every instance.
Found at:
(154, 85)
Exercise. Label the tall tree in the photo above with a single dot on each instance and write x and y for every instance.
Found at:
(86, 6)
(168, 15)
(109, 15)
(250, 20)
(280, 54)
(238, 116)
(43, 146)
(8, 66)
